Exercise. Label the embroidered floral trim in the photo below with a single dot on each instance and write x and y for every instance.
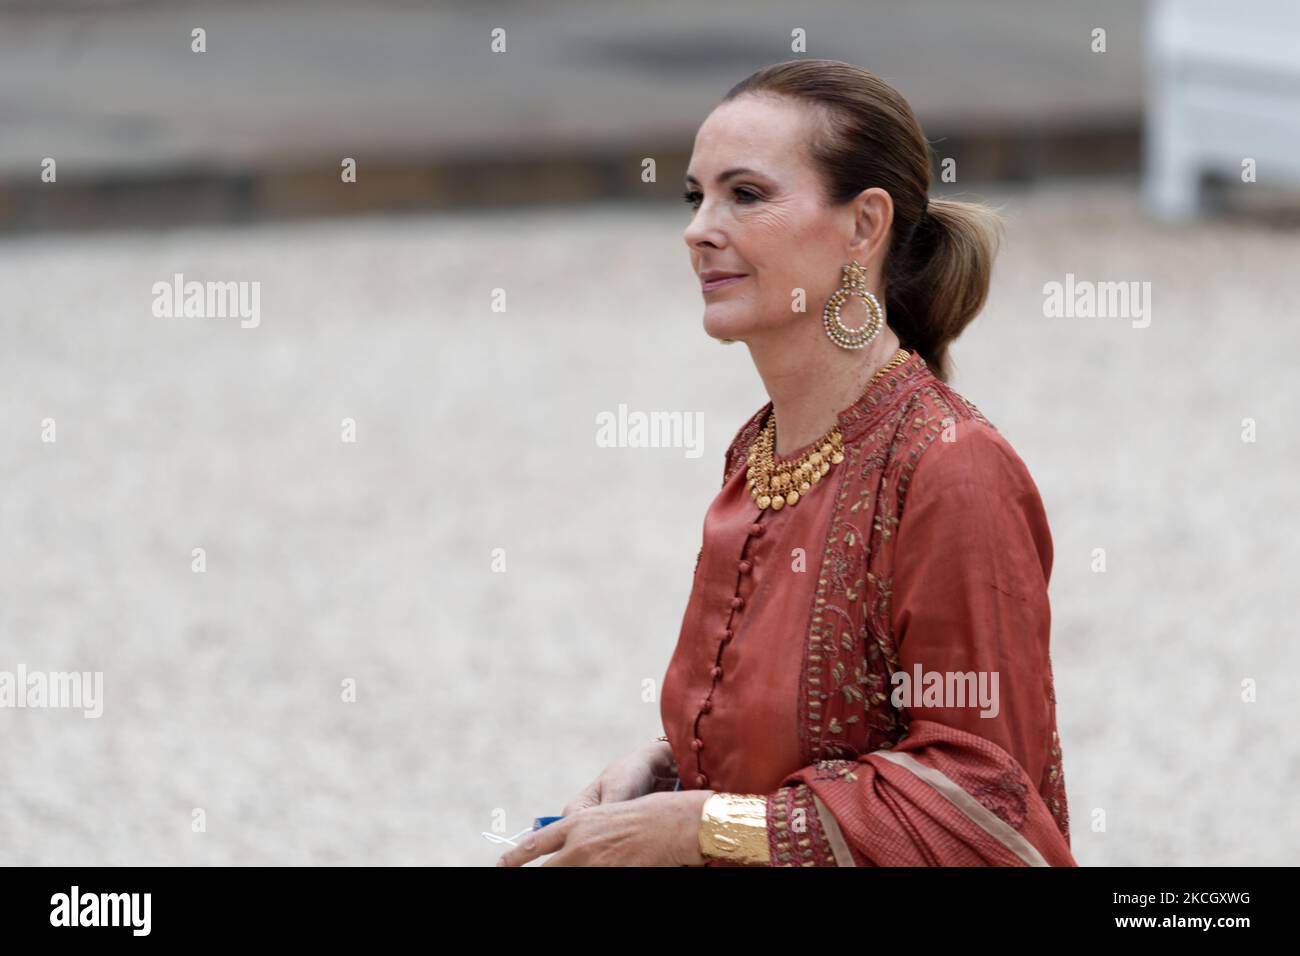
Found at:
(1053, 785)
(831, 612)
(794, 831)
(1005, 798)
(844, 771)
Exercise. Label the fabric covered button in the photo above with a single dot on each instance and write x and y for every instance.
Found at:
(737, 601)
(756, 529)
(744, 567)
(697, 744)
(701, 780)
(706, 705)
(716, 672)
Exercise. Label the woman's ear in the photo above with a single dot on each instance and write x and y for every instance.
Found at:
(873, 215)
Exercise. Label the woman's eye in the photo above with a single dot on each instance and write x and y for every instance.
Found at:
(693, 197)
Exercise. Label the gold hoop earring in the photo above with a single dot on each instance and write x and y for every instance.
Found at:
(855, 283)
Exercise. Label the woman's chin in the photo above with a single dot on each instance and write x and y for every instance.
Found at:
(725, 327)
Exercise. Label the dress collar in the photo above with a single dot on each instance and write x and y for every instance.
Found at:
(870, 408)
(882, 394)
(875, 401)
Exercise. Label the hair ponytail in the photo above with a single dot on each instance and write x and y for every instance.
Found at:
(940, 257)
(937, 279)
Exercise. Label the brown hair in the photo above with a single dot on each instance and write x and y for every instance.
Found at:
(940, 255)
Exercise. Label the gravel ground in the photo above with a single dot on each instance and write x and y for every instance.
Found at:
(484, 697)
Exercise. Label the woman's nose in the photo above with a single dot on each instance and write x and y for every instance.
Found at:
(699, 231)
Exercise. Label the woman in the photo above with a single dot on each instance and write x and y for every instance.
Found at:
(862, 676)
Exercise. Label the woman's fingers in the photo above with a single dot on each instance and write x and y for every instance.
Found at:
(540, 842)
(588, 798)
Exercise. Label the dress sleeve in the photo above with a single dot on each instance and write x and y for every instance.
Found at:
(973, 785)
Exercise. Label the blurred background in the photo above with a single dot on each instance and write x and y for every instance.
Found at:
(501, 594)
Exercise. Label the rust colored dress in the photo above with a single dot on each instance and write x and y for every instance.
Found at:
(927, 550)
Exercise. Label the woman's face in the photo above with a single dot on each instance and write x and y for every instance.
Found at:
(767, 223)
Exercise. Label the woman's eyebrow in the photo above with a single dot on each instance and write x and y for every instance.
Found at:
(724, 175)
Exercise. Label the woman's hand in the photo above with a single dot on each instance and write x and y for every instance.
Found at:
(645, 770)
(659, 829)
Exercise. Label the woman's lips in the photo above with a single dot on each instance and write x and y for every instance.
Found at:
(719, 283)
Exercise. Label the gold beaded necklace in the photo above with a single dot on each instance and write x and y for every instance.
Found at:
(775, 486)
